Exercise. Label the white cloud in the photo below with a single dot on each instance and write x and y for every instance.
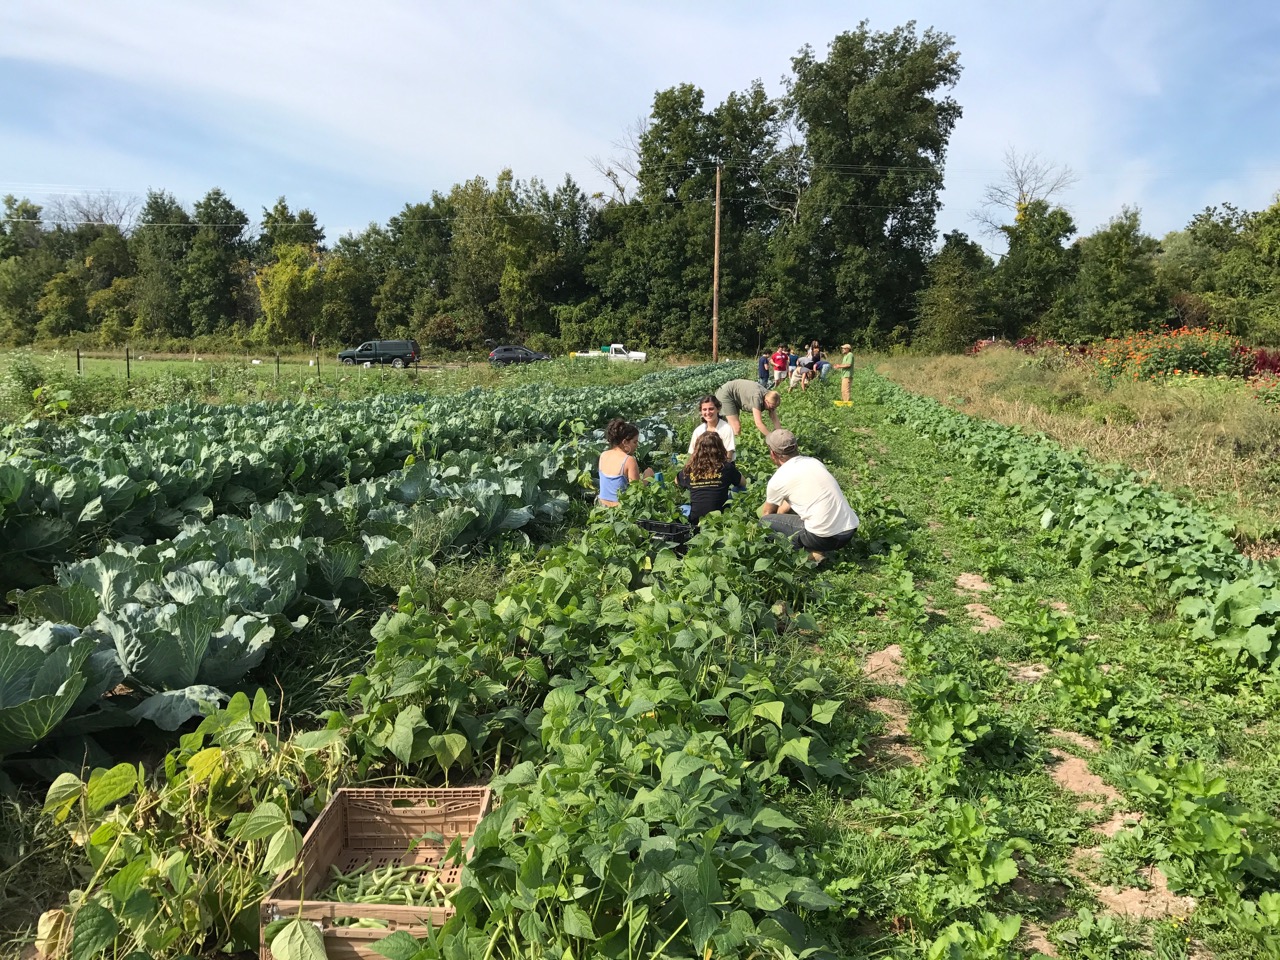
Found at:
(338, 104)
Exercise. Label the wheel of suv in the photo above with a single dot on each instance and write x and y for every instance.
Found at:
(348, 361)
(398, 363)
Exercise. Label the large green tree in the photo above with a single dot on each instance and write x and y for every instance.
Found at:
(1037, 269)
(280, 225)
(1115, 290)
(291, 293)
(213, 264)
(876, 118)
(159, 245)
(955, 307)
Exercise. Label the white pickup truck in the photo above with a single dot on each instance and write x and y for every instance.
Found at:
(615, 352)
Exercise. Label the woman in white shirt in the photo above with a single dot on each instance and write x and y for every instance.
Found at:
(709, 410)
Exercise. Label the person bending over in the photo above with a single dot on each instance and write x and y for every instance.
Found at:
(802, 375)
(708, 476)
(738, 395)
(709, 410)
(804, 502)
(618, 466)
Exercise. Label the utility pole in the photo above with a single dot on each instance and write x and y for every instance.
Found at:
(715, 279)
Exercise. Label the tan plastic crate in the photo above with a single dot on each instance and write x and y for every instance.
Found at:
(374, 827)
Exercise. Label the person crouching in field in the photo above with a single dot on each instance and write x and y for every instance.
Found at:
(618, 466)
(708, 476)
(803, 373)
(804, 502)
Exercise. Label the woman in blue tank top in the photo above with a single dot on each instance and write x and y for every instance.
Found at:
(618, 467)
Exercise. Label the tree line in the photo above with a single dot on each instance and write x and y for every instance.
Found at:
(829, 197)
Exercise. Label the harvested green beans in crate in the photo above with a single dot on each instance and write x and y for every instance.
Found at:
(378, 861)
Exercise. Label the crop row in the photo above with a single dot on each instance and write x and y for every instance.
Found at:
(640, 710)
(1107, 518)
(177, 621)
(139, 475)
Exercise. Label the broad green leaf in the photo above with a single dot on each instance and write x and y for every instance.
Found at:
(62, 796)
(93, 930)
(282, 851)
(401, 945)
(771, 711)
(408, 722)
(108, 786)
(576, 922)
(75, 604)
(202, 764)
(448, 747)
(825, 711)
(677, 766)
(127, 882)
(767, 820)
(266, 819)
(298, 940)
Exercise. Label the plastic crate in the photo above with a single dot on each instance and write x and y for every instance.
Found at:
(676, 533)
(373, 827)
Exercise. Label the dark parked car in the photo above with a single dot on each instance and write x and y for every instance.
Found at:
(398, 353)
(514, 353)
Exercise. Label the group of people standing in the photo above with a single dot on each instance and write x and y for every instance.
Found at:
(801, 369)
(803, 501)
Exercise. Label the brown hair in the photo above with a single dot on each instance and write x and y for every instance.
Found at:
(709, 399)
(709, 457)
(619, 432)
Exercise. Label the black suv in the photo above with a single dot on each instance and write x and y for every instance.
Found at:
(398, 353)
(515, 354)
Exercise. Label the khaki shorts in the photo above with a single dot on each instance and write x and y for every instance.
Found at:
(728, 406)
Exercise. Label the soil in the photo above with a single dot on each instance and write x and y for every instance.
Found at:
(892, 747)
(1073, 774)
(986, 620)
(885, 666)
(973, 583)
(1037, 941)
(1029, 673)
(1156, 902)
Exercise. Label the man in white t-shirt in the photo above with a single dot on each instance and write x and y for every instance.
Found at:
(804, 502)
(709, 410)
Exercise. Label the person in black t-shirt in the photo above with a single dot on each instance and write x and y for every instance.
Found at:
(708, 476)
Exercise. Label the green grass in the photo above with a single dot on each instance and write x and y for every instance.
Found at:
(105, 384)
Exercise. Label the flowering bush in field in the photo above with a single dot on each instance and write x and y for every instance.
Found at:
(1267, 390)
(1152, 354)
(1266, 363)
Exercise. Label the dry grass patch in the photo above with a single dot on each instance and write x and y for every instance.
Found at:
(1208, 438)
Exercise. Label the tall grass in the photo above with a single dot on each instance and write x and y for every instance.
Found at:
(1206, 437)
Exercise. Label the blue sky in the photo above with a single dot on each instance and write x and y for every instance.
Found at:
(354, 109)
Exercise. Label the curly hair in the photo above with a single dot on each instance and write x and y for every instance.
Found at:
(709, 457)
(619, 431)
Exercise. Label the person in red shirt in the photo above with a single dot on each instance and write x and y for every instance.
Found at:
(781, 359)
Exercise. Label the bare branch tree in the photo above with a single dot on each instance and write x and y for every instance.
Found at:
(1027, 177)
(623, 171)
(789, 173)
(103, 207)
